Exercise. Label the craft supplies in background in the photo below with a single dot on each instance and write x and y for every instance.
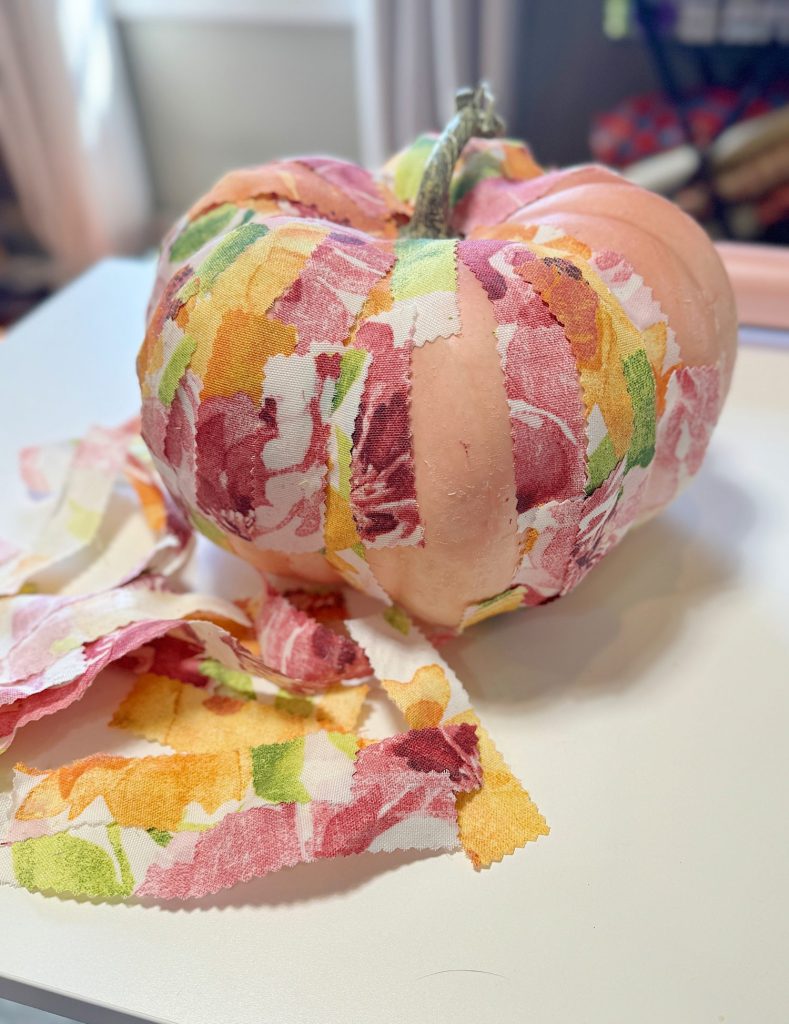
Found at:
(715, 137)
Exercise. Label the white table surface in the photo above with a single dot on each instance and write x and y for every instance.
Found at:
(647, 713)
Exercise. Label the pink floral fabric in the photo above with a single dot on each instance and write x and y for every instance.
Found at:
(297, 645)
(402, 797)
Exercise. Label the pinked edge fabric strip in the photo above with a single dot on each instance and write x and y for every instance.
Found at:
(397, 794)
(498, 818)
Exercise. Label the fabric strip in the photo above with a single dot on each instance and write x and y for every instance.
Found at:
(498, 818)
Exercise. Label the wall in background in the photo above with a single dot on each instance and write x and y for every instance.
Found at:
(215, 95)
(232, 83)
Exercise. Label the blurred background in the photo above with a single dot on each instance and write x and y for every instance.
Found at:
(116, 114)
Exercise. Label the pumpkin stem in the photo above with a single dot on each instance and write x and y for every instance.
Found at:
(475, 117)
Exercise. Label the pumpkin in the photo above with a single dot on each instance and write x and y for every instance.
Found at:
(454, 385)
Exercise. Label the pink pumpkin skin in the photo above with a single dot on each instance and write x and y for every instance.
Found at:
(462, 445)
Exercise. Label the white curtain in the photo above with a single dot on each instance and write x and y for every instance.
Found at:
(413, 55)
(68, 131)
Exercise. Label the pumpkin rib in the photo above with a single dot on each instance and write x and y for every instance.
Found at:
(460, 555)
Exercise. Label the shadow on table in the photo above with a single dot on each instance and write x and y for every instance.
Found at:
(306, 882)
(600, 639)
(299, 884)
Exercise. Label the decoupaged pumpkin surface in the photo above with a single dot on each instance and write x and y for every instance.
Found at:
(460, 425)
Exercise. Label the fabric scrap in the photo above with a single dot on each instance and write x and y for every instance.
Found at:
(194, 720)
(541, 379)
(297, 645)
(400, 793)
(176, 792)
(96, 463)
(498, 818)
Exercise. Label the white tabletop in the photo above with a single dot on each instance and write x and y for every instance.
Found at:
(647, 714)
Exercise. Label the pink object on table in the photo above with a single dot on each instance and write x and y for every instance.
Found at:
(760, 277)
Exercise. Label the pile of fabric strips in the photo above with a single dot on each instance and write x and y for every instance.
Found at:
(252, 708)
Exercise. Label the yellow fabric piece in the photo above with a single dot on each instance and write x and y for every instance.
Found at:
(191, 719)
(380, 300)
(424, 699)
(339, 531)
(82, 522)
(499, 818)
(244, 343)
(133, 789)
(508, 601)
(261, 273)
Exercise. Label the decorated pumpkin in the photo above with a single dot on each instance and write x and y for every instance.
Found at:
(454, 385)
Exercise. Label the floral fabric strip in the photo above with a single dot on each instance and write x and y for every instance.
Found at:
(499, 817)
(46, 629)
(98, 459)
(382, 481)
(324, 301)
(295, 644)
(52, 648)
(184, 826)
(176, 792)
(309, 185)
(68, 680)
(118, 519)
(199, 719)
(540, 378)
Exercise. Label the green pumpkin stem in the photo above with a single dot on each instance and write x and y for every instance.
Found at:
(475, 117)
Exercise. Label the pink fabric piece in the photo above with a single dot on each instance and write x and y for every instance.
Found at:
(354, 182)
(328, 294)
(243, 846)
(595, 533)
(97, 656)
(294, 643)
(177, 459)
(45, 622)
(176, 655)
(540, 379)
(383, 485)
(544, 564)
(638, 302)
(236, 472)
(411, 777)
(493, 200)
(230, 477)
(693, 400)
(28, 611)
